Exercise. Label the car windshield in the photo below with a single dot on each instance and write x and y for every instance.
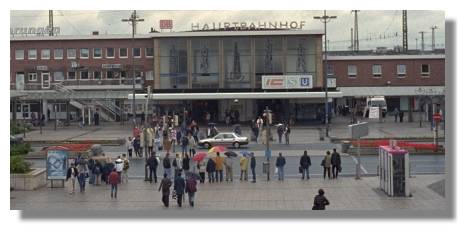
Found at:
(236, 135)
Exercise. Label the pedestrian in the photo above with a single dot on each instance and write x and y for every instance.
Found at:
(167, 165)
(136, 145)
(108, 167)
(173, 139)
(253, 167)
(96, 118)
(142, 118)
(305, 164)
(219, 167)
(401, 116)
(335, 163)
(119, 166)
(326, 163)
(91, 167)
(97, 172)
(228, 162)
(113, 179)
(82, 173)
(186, 164)
(129, 145)
(280, 163)
(210, 168)
(192, 145)
(280, 132)
(191, 189)
(320, 201)
(72, 174)
(287, 133)
(177, 165)
(243, 168)
(395, 113)
(152, 164)
(179, 188)
(165, 188)
(125, 169)
(201, 166)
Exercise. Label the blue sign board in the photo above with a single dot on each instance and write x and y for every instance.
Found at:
(267, 153)
(56, 164)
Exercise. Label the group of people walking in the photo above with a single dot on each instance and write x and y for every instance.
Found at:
(331, 163)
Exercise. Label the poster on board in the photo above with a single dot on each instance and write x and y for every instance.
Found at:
(56, 164)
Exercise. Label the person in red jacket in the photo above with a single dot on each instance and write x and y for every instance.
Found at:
(113, 179)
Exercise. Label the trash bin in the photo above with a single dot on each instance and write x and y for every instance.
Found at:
(265, 167)
(345, 146)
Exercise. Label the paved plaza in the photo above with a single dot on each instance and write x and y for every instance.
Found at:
(293, 194)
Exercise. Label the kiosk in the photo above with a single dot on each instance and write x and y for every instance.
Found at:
(394, 171)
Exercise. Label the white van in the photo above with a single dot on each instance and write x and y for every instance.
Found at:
(375, 101)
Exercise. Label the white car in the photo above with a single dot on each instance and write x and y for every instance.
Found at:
(224, 138)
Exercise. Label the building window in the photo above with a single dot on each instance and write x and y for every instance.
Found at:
(109, 74)
(84, 75)
(32, 54)
(136, 52)
(377, 70)
(45, 54)
(97, 75)
(149, 75)
(19, 54)
(71, 75)
(32, 77)
(401, 70)
(84, 53)
(122, 52)
(71, 53)
(123, 74)
(425, 70)
(58, 53)
(97, 53)
(352, 71)
(58, 76)
(330, 71)
(109, 52)
(149, 52)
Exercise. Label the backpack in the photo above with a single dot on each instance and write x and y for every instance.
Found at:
(126, 165)
(191, 186)
(184, 140)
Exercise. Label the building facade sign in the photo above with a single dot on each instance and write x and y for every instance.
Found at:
(38, 31)
(111, 66)
(244, 25)
(166, 24)
(41, 68)
(287, 82)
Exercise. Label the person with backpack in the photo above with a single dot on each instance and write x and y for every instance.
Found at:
(179, 188)
(280, 163)
(113, 179)
(335, 163)
(97, 172)
(152, 164)
(191, 189)
(186, 164)
(167, 165)
(91, 167)
(320, 201)
(210, 170)
(165, 188)
(125, 176)
(305, 164)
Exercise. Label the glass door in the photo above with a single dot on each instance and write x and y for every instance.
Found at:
(46, 80)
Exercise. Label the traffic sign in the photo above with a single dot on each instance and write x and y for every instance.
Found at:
(437, 117)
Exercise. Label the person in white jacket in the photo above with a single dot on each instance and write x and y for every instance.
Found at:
(119, 165)
(129, 146)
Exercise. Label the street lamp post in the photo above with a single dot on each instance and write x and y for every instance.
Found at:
(325, 19)
(134, 19)
(268, 138)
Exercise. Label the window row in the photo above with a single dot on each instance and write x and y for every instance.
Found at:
(83, 53)
(377, 70)
(86, 75)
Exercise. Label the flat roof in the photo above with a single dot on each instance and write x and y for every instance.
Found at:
(386, 57)
(170, 35)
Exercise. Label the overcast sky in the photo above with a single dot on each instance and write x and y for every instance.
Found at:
(374, 26)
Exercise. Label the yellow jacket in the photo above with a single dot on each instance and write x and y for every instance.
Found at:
(219, 163)
(243, 163)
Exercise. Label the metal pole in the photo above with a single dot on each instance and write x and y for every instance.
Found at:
(55, 115)
(133, 68)
(326, 81)
(358, 166)
(268, 137)
(40, 116)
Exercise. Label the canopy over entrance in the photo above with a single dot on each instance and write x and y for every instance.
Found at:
(237, 95)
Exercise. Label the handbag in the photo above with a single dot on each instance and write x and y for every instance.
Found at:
(322, 162)
(173, 194)
(300, 169)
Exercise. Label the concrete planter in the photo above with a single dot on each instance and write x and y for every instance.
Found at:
(29, 181)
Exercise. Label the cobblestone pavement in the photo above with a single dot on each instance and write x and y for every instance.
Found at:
(291, 195)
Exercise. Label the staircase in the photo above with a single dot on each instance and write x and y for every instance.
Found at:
(108, 111)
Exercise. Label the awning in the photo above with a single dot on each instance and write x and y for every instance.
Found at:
(238, 95)
(392, 91)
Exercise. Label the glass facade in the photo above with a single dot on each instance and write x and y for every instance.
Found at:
(173, 63)
(301, 56)
(268, 57)
(205, 62)
(237, 61)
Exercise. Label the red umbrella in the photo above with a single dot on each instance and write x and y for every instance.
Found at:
(199, 156)
(217, 148)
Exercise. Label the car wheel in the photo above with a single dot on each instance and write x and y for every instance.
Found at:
(236, 145)
(207, 145)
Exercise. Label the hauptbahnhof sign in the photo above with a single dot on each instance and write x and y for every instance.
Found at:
(244, 25)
